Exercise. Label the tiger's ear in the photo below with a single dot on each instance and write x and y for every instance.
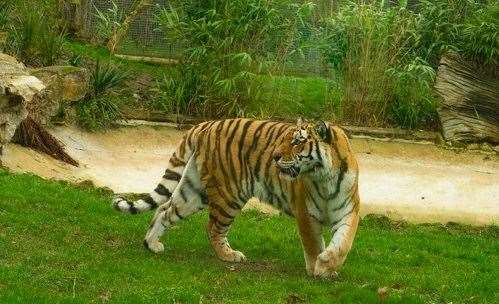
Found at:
(299, 122)
(322, 129)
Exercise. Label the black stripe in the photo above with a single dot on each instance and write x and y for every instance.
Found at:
(131, 208)
(270, 136)
(229, 142)
(319, 156)
(218, 223)
(221, 211)
(233, 205)
(345, 201)
(343, 169)
(148, 199)
(183, 195)
(161, 190)
(340, 219)
(242, 164)
(277, 143)
(175, 161)
(171, 175)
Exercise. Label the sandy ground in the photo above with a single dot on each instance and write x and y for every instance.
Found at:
(414, 182)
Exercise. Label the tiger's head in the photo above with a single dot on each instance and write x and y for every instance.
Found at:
(305, 149)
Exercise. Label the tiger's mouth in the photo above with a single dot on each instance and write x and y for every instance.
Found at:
(291, 171)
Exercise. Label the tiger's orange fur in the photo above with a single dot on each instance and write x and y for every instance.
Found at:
(306, 170)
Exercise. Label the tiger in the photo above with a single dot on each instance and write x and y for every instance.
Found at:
(307, 170)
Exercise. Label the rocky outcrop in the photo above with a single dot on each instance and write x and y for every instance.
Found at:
(17, 89)
(65, 85)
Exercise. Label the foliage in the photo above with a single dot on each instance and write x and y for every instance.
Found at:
(226, 44)
(479, 35)
(99, 110)
(380, 57)
(86, 252)
(34, 37)
(106, 76)
(108, 21)
(5, 7)
(388, 54)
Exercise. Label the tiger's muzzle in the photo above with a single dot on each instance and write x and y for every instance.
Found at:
(288, 168)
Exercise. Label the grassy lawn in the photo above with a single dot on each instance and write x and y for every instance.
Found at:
(62, 243)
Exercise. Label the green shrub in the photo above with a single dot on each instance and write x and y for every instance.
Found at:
(98, 109)
(107, 21)
(227, 43)
(97, 112)
(34, 37)
(479, 35)
(5, 7)
(381, 56)
(106, 76)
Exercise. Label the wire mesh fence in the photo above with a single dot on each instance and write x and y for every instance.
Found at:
(144, 38)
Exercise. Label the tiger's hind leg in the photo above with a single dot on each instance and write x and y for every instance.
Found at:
(221, 217)
(188, 198)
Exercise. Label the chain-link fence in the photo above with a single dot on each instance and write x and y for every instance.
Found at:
(144, 38)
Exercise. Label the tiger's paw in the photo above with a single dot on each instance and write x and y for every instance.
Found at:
(154, 246)
(233, 256)
(326, 265)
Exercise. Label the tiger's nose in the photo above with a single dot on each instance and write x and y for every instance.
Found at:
(276, 156)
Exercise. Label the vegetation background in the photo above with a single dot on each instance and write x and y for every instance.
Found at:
(370, 62)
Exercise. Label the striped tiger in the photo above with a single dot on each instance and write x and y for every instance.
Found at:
(307, 170)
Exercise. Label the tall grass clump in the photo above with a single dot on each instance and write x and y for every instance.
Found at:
(387, 55)
(5, 7)
(226, 44)
(35, 36)
(99, 109)
(479, 38)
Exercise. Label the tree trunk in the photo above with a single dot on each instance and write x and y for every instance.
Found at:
(122, 29)
(469, 111)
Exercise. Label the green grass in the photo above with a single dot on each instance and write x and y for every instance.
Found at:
(62, 243)
(289, 96)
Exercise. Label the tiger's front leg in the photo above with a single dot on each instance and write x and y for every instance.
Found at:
(333, 257)
(310, 231)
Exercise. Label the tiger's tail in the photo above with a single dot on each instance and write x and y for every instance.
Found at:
(163, 191)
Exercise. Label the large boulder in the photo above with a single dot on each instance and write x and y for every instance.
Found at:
(64, 83)
(17, 89)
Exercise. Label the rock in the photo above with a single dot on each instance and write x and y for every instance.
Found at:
(64, 83)
(17, 89)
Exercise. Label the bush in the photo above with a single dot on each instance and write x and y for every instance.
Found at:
(97, 113)
(479, 35)
(107, 21)
(34, 37)
(106, 76)
(99, 110)
(227, 43)
(5, 7)
(380, 56)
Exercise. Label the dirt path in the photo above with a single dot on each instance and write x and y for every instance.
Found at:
(414, 182)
